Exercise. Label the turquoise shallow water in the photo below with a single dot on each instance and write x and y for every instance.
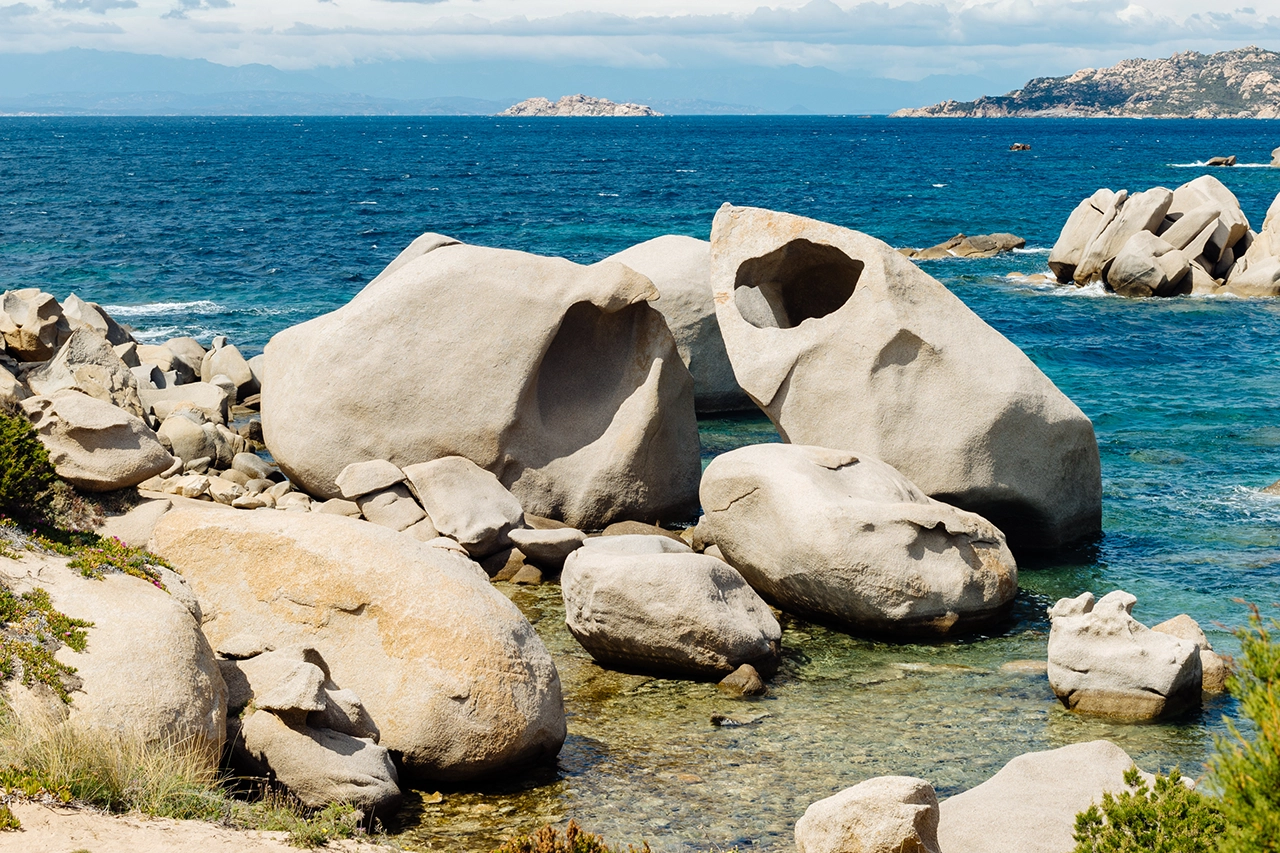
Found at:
(244, 227)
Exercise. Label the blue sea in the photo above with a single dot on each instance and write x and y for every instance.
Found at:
(243, 227)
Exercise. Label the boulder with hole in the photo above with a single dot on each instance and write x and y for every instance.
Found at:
(560, 379)
(646, 602)
(846, 344)
(846, 538)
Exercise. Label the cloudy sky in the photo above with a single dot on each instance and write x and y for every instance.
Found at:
(1000, 41)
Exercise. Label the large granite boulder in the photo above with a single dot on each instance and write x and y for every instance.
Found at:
(1257, 271)
(1030, 806)
(1103, 661)
(1215, 245)
(90, 315)
(846, 538)
(558, 378)
(680, 267)
(1147, 266)
(451, 674)
(844, 343)
(32, 324)
(887, 814)
(1089, 218)
(648, 602)
(147, 670)
(94, 445)
(87, 363)
(1144, 211)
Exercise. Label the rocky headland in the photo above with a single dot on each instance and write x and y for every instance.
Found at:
(575, 106)
(1240, 83)
(320, 602)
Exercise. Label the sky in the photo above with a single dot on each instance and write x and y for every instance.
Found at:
(994, 43)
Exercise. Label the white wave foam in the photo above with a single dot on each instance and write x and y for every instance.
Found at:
(1093, 290)
(938, 186)
(1207, 166)
(1032, 250)
(161, 309)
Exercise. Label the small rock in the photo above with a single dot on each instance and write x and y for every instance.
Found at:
(1221, 161)
(466, 503)
(242, 646)
(548, 548)
(238, 477)
(743, 681)
(253, 487)
(527, 576)
(252, 466)
(503, 565)
(279, 490)
(425, 531)
(300, 690)
(340, 506)
(293, 501)
(888, 814)
(362, 478)
(393, 507)
(256, 500)
(632, 528)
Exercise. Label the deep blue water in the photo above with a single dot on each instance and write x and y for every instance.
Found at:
(245, 226)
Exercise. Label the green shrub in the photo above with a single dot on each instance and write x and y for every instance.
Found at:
(8, 820)
(575, 840)
(1169, 819)
(1247, 771)
(26, 474)
(307, 829)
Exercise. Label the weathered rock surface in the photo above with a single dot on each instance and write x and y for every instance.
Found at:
(1147, 266)
(173, 692)
(212, 400)
(649, 603)
(1088, 219)
(680, 267)
(547, 548)
(844, 343)
(87, 363)
(847, 538)
(1103, 661)
(393, 507)
(1138, 212)
(362, 478)
(94, 445)
(1213, 667)
(90, 315)
(965, 246)
(451, 674)
(558, 378)
(466, 503)
(1030, 806)
(32, 324)
(887, 814)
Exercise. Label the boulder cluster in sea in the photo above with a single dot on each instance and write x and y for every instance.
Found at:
(477, 414)
(1160, 242)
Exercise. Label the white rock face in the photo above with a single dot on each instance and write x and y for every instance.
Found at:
(1089, 217)
(1213, 666)
(466, 503)
(558, 378)
(846, 344)
(94, 445)
(649, 602)
(362, 478)
(32, 324)
(1147, 266)
(1142, 211)
(1030, 806)
(87, 363)
(1103, 661)
(172, 691)
(89, 315)
(847, 538)
(450, 673)
(680, 267)
(887, 814)
(1257, 271)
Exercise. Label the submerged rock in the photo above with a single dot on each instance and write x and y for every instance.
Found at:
(842, 537)
(558, 378)
(1103, 661)
(651, 603)
(452, 675)
(846, 344)
(888, 814)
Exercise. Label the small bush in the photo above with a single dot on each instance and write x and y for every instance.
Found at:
(8, 820)
(1169, 819)
(575, 840)
(280, 813)
(1247, 771)
(26, 474)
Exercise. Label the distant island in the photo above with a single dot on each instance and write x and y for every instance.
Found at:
(1240, 83)
(577, 105)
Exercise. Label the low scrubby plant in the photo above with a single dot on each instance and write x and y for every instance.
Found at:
(1169, 818)
(1247, 769)
(575, 840)
(307, 828)
(31, 631)
(26, 475)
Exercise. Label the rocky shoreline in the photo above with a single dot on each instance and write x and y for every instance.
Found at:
(324, 613)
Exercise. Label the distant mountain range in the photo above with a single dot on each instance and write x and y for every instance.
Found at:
(1241, 83)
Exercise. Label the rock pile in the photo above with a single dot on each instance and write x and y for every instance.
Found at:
(1192, 240)
(961, 246)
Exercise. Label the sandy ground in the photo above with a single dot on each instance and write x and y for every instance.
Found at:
(48, 829)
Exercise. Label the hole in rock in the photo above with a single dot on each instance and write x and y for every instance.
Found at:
(595, 362)
(797, 282)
